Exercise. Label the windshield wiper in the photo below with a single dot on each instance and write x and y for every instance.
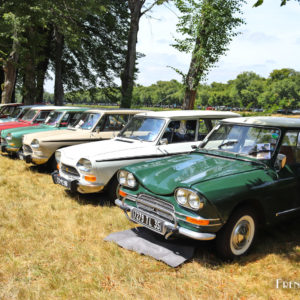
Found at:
(228, 143)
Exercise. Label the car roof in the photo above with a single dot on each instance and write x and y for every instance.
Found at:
(72, 109)
(115, 111)
(189, 114)
(267, 121)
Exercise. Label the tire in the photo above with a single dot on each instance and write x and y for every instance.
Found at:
(51, 163)
(237, 236)
(113, 190)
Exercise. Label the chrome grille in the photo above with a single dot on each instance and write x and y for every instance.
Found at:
(69, 170)
(156, 206)
(27, 149)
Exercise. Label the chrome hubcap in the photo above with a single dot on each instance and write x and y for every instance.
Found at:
(242, 235)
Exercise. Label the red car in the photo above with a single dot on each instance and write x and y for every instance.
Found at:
(7, 109)
(33, 117)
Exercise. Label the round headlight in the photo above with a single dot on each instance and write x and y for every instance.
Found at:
(181, 196)
(131, 182)
(84, 165)
(122, 177)
(194, 201)
(35, 143)
(9, 137)
(58, 156)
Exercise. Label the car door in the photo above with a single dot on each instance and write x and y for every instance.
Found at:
(181, 136)
(288, 183)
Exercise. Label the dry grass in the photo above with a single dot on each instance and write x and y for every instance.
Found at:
(51, 247)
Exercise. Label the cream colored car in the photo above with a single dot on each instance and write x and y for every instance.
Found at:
(93, 125)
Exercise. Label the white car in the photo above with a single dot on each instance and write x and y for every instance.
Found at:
(89, 168)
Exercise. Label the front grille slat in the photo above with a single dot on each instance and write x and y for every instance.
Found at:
(69, 170)
(156, 206)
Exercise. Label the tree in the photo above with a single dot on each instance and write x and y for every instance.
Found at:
(207, 27)
(127, 76)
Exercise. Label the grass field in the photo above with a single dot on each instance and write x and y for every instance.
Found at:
(51, 247)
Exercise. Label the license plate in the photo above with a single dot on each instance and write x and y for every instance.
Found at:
(147, 220)
(62, 181)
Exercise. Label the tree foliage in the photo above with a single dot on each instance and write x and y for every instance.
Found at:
(207, 27)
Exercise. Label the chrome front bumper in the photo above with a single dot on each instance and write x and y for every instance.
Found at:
(75, 186)
(170, 228)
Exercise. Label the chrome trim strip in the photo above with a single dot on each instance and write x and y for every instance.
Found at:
(287, 211)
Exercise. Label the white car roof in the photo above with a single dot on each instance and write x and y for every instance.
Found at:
(267, 121)
(190, 114)
(115, 111)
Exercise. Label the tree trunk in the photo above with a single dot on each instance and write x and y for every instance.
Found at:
(192, 79)
(127, 76)
(29, 84)
(10, 73)
(58, 85)
(1, 81)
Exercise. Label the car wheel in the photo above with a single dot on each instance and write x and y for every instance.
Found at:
(113, 190)
(237, 235)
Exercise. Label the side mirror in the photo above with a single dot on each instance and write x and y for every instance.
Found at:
(163, 142)
(280, 161)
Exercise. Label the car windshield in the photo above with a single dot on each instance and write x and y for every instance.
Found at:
(29, 115)
(256, 142)
(16, 112)
(53, 118)
(145, 129)
(7, 110)
(87, 121)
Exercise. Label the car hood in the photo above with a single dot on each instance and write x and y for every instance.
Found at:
(19, 131)
(106, 150)
(163, 176)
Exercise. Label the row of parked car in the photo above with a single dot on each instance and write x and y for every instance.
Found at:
(199, 174)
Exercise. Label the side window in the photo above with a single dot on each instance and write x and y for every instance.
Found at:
(115, 122)
(290, 147)
(180, 131)
(42, 116)
(203, 130)
(65, 120)
(74, 117)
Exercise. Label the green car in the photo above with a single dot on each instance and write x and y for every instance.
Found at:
(246, 173)
(11, 139)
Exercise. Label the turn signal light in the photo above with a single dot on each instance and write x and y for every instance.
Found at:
(57, 166)
(90, 178)
(197, 221)
(122, 194)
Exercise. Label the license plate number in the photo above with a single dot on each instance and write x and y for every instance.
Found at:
(147, 220)
(63, 182)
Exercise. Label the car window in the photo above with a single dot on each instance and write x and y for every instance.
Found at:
(41, 117)
(53, 118)
(71, 118)
(29, 115)
(254, 141)
(144, 129)
(87, 120)
(203, 130)
(115, 122)
(290, 147)
(180, 131)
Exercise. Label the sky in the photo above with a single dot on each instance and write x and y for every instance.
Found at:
(269, 40)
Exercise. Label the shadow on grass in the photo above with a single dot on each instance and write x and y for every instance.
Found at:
(95, 199)
(280, 239)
